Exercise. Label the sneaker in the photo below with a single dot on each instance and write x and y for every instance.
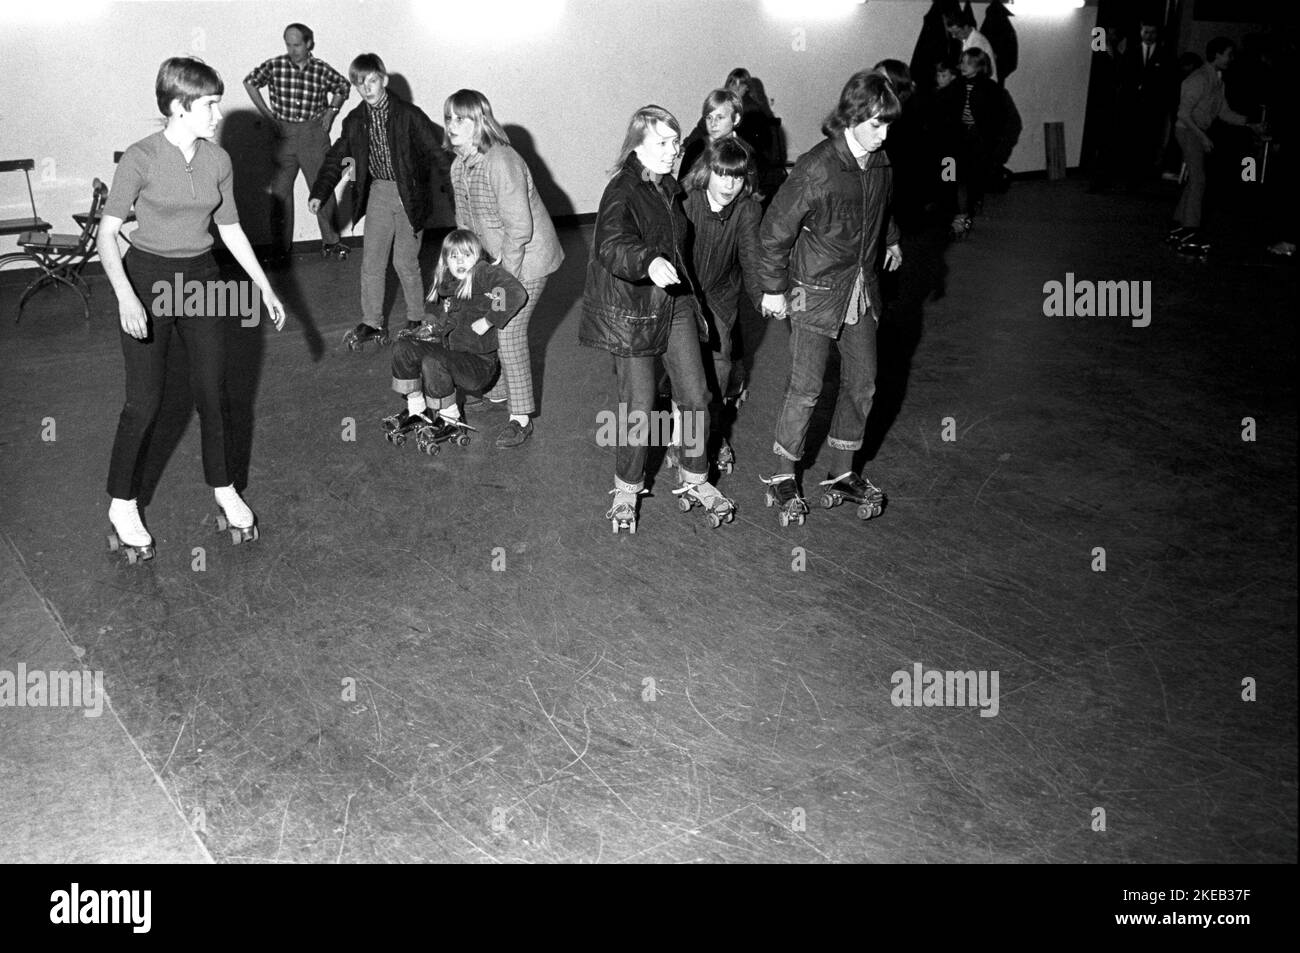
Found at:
(478, 400)
(514, 433)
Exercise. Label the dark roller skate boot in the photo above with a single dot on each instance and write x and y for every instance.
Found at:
(399, 426)
(851, 488)
(704, 494)
(336, 250)
(430, 437)
(783, 491)
(363, 334)
(1194, 246)
(726, 456)
(129, 536)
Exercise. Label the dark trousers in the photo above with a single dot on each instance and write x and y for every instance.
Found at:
(438, 370)
(637, 388)
(203, 338)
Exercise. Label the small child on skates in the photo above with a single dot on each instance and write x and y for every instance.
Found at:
(822, 240)
(456, 346)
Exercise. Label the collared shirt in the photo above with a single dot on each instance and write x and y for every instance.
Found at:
(858, 149)
(381, 155)
(298, 93)
(976, 40)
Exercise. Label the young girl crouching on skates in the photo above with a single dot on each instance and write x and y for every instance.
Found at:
(456, 346)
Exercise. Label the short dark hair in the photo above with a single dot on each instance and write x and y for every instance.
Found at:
(1217, 46)
(867, 95)
(896, 72)
(729, 157)
(308, 36)
(185, 78)
(364, 65)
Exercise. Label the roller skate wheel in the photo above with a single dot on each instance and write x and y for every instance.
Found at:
(714, 520)
(222, 523)
(462, 440)
(398, 439)
(631, 527)
(799, 519)
(683, 504)
(783, 518)
(828, 500)
(868, 511)
(114, 544)
(768, 498)
(132, 556)
(236, 537)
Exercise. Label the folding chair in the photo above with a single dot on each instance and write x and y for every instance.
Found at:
(60, 258)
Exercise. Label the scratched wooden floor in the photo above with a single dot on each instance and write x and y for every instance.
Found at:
(362, 685)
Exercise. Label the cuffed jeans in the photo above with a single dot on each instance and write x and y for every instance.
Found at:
(299, 145)
(388, 229)
(203, 338)
(438, 370)
(808, 355)
(637, 390)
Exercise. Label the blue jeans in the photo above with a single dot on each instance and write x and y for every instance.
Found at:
(808, 354)
(637, 389)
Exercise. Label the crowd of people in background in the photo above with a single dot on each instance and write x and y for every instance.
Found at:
(1198, 117)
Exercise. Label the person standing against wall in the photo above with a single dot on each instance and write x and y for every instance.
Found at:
(306, 94)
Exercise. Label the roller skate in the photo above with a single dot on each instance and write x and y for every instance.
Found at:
(399, 426)
(429, 437)
(726, 456)
(623, 512)
(363, 334)
(960, 227)
(336, 250)
(129, 534)
(1178, 235)
(851, 488)
(704, 494)
(235, 517)
(1194, 246)
(783, 491)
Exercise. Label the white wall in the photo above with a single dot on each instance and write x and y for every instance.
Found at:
(569, 71)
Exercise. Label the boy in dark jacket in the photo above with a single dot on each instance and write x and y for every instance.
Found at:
(456, 346)
(821, 243)
(394, 147)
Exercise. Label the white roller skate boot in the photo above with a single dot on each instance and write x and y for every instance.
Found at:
(622, 513)
(235, 516)
(129, 534)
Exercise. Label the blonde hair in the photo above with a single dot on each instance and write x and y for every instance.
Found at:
(471, 104)
(642, 120)
(462, 240)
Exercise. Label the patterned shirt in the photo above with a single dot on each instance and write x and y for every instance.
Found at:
(298, 94)
(381, 156)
